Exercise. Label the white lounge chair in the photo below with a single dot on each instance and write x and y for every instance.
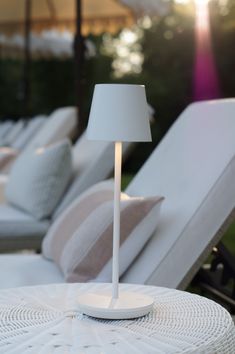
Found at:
(5, 128)
(18, 143)
(16, 129)
(61, 123)
(33, 126)
(194, 168)
(92, 162)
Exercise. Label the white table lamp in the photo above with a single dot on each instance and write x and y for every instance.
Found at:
(118, 113)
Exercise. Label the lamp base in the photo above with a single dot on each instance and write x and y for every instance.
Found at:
(102, 305)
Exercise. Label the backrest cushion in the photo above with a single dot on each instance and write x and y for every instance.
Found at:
(92, 162)
(80, 240)
(33, 127)
(59, 125)
(14, 132)
(39, 178)
(186, 167)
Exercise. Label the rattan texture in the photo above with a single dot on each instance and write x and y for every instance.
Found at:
(45, 320)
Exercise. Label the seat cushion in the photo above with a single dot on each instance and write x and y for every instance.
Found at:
(27, 269)
(39, 178)
(80, 240)
(19, 229)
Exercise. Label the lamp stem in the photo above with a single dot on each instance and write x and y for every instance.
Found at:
(116, 217)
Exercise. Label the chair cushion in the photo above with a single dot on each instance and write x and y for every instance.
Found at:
(27, 269)
(33, 127)
(18, 228)
(14, 132)
(7, 155)
(60, 124)
(80, 240)
(39, 178)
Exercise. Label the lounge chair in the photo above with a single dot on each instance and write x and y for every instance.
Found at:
(92, 162)
(9, 153)
(33, 126)
(194, 168)
(60, 124)
(5, 128)
(11, 135)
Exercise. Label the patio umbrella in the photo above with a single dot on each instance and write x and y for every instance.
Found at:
(79, 16)
(97, 15)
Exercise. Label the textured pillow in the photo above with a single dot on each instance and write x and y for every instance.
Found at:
(80, 241)
(39, 178)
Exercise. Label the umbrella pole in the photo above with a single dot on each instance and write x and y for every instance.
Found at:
(79, 65)
(27, 58)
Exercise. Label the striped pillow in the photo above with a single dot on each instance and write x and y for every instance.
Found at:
(80, 241)
(7, 156)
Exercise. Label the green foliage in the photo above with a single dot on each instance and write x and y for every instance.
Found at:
(10, 78)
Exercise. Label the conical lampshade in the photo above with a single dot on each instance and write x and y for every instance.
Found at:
(119, 112)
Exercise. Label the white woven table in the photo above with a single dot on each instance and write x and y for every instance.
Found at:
(45, 320)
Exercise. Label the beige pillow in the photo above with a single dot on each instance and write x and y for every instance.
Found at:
(7, 156)
(80, 241)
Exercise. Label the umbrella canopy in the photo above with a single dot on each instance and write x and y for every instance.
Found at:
(97, 16)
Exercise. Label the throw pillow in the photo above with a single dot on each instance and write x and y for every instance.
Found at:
(80, 241)
(39, 178)
(7, 156)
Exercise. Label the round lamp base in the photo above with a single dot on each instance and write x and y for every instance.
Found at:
(102, 305)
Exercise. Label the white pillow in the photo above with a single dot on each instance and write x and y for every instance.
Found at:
(80, 240)
(39, 178)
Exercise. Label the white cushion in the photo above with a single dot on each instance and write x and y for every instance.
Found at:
(18, 229)
(32, 127)
(39, 178)
(59, 124)
(14, 132)
(93, 161)
(194, 168)
(5, 129)
(27, 269)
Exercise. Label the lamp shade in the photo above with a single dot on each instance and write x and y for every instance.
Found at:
(119, 112)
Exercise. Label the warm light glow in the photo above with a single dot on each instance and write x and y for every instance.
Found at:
(182, 1)
(202, 14)
(40, 151)
(201, 2)
(196, 1)
(206, 85)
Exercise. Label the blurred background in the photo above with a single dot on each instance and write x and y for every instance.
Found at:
(52, 52)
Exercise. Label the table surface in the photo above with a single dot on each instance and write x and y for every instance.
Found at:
(45, 320)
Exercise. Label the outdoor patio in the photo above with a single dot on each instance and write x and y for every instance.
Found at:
(117, 199)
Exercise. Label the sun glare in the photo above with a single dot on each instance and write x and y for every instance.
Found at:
(206, 85)
(202, 16)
